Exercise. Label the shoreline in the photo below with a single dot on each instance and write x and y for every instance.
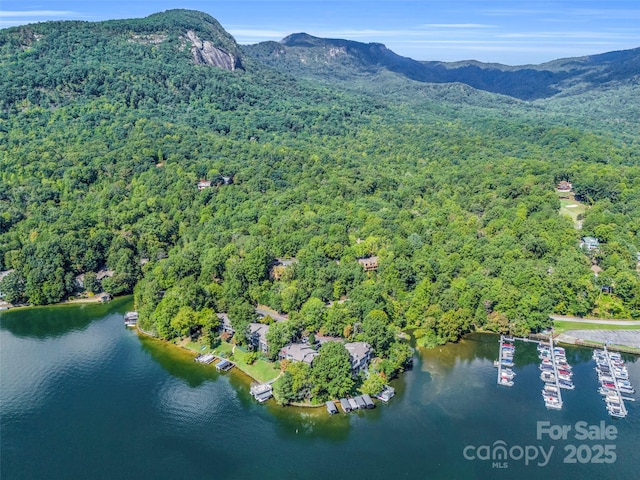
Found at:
(196, 352)
(239, 368)
(78, 301)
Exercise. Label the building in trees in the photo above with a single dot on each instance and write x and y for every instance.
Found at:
(361, 354)
(225, 324)
(369, 263)
(590, 243)
(257, 336)
(202, 184)
(298, 352)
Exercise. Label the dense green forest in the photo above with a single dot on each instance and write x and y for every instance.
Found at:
(106, 129)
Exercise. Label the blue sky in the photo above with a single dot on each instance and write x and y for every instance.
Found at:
(514, 32)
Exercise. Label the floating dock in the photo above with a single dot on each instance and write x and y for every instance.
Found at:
(262, 392)
(386, 394)
(131, 319)
(331, 408)
(614, 381)
(224, 365)
(205, 359)
(505, 361)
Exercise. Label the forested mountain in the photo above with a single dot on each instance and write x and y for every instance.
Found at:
(106, 129)
(348, 60)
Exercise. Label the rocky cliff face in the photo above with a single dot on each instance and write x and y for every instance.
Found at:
(205, 53)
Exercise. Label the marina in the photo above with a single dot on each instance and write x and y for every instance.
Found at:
(614, 381)
(555, 371)
(169, 403)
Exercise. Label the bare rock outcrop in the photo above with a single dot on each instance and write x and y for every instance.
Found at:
(205, 53)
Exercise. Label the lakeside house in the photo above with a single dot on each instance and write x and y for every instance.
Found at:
(298, 352)
(104, 273)
(105, 297)
(361, 354)
(257, 336)
(225, 323)
(590, 243)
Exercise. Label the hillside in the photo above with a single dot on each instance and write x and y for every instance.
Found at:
(346, 60)
(107, 128)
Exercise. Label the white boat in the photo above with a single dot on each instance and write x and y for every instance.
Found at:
(506, 382)
(386, 394)
(551, 401)
(548, 377)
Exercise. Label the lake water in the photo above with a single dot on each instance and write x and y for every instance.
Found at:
(81, 396)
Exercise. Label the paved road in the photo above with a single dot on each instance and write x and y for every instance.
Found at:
(595, 320)
(262, 310)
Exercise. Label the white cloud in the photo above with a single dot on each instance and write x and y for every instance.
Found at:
(37, 13)
(458, 25)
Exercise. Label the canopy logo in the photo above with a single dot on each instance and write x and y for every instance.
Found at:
(499, 454)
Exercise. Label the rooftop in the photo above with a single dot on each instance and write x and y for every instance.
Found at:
(300, 352)
(358, 350)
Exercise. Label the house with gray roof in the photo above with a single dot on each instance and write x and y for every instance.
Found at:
(361, 354)
(590, 243)
(258, 336)
(225, 323)
(298, 352)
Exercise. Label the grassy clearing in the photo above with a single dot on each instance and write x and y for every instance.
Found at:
(572, 208)
(261, 370)
(561, 326)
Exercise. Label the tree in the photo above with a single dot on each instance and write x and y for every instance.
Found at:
(375, 331)
(279, 335)
(241, 314)
(91, 282)
(331, 372)
(12, 288)
(185, 321)
(256, 265)
(283, 392)
(372, 384)
(313, 314)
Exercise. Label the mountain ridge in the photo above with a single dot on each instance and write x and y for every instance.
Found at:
(344, 60)
(313, 56)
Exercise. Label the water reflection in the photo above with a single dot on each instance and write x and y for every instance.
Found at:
(57, 320)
